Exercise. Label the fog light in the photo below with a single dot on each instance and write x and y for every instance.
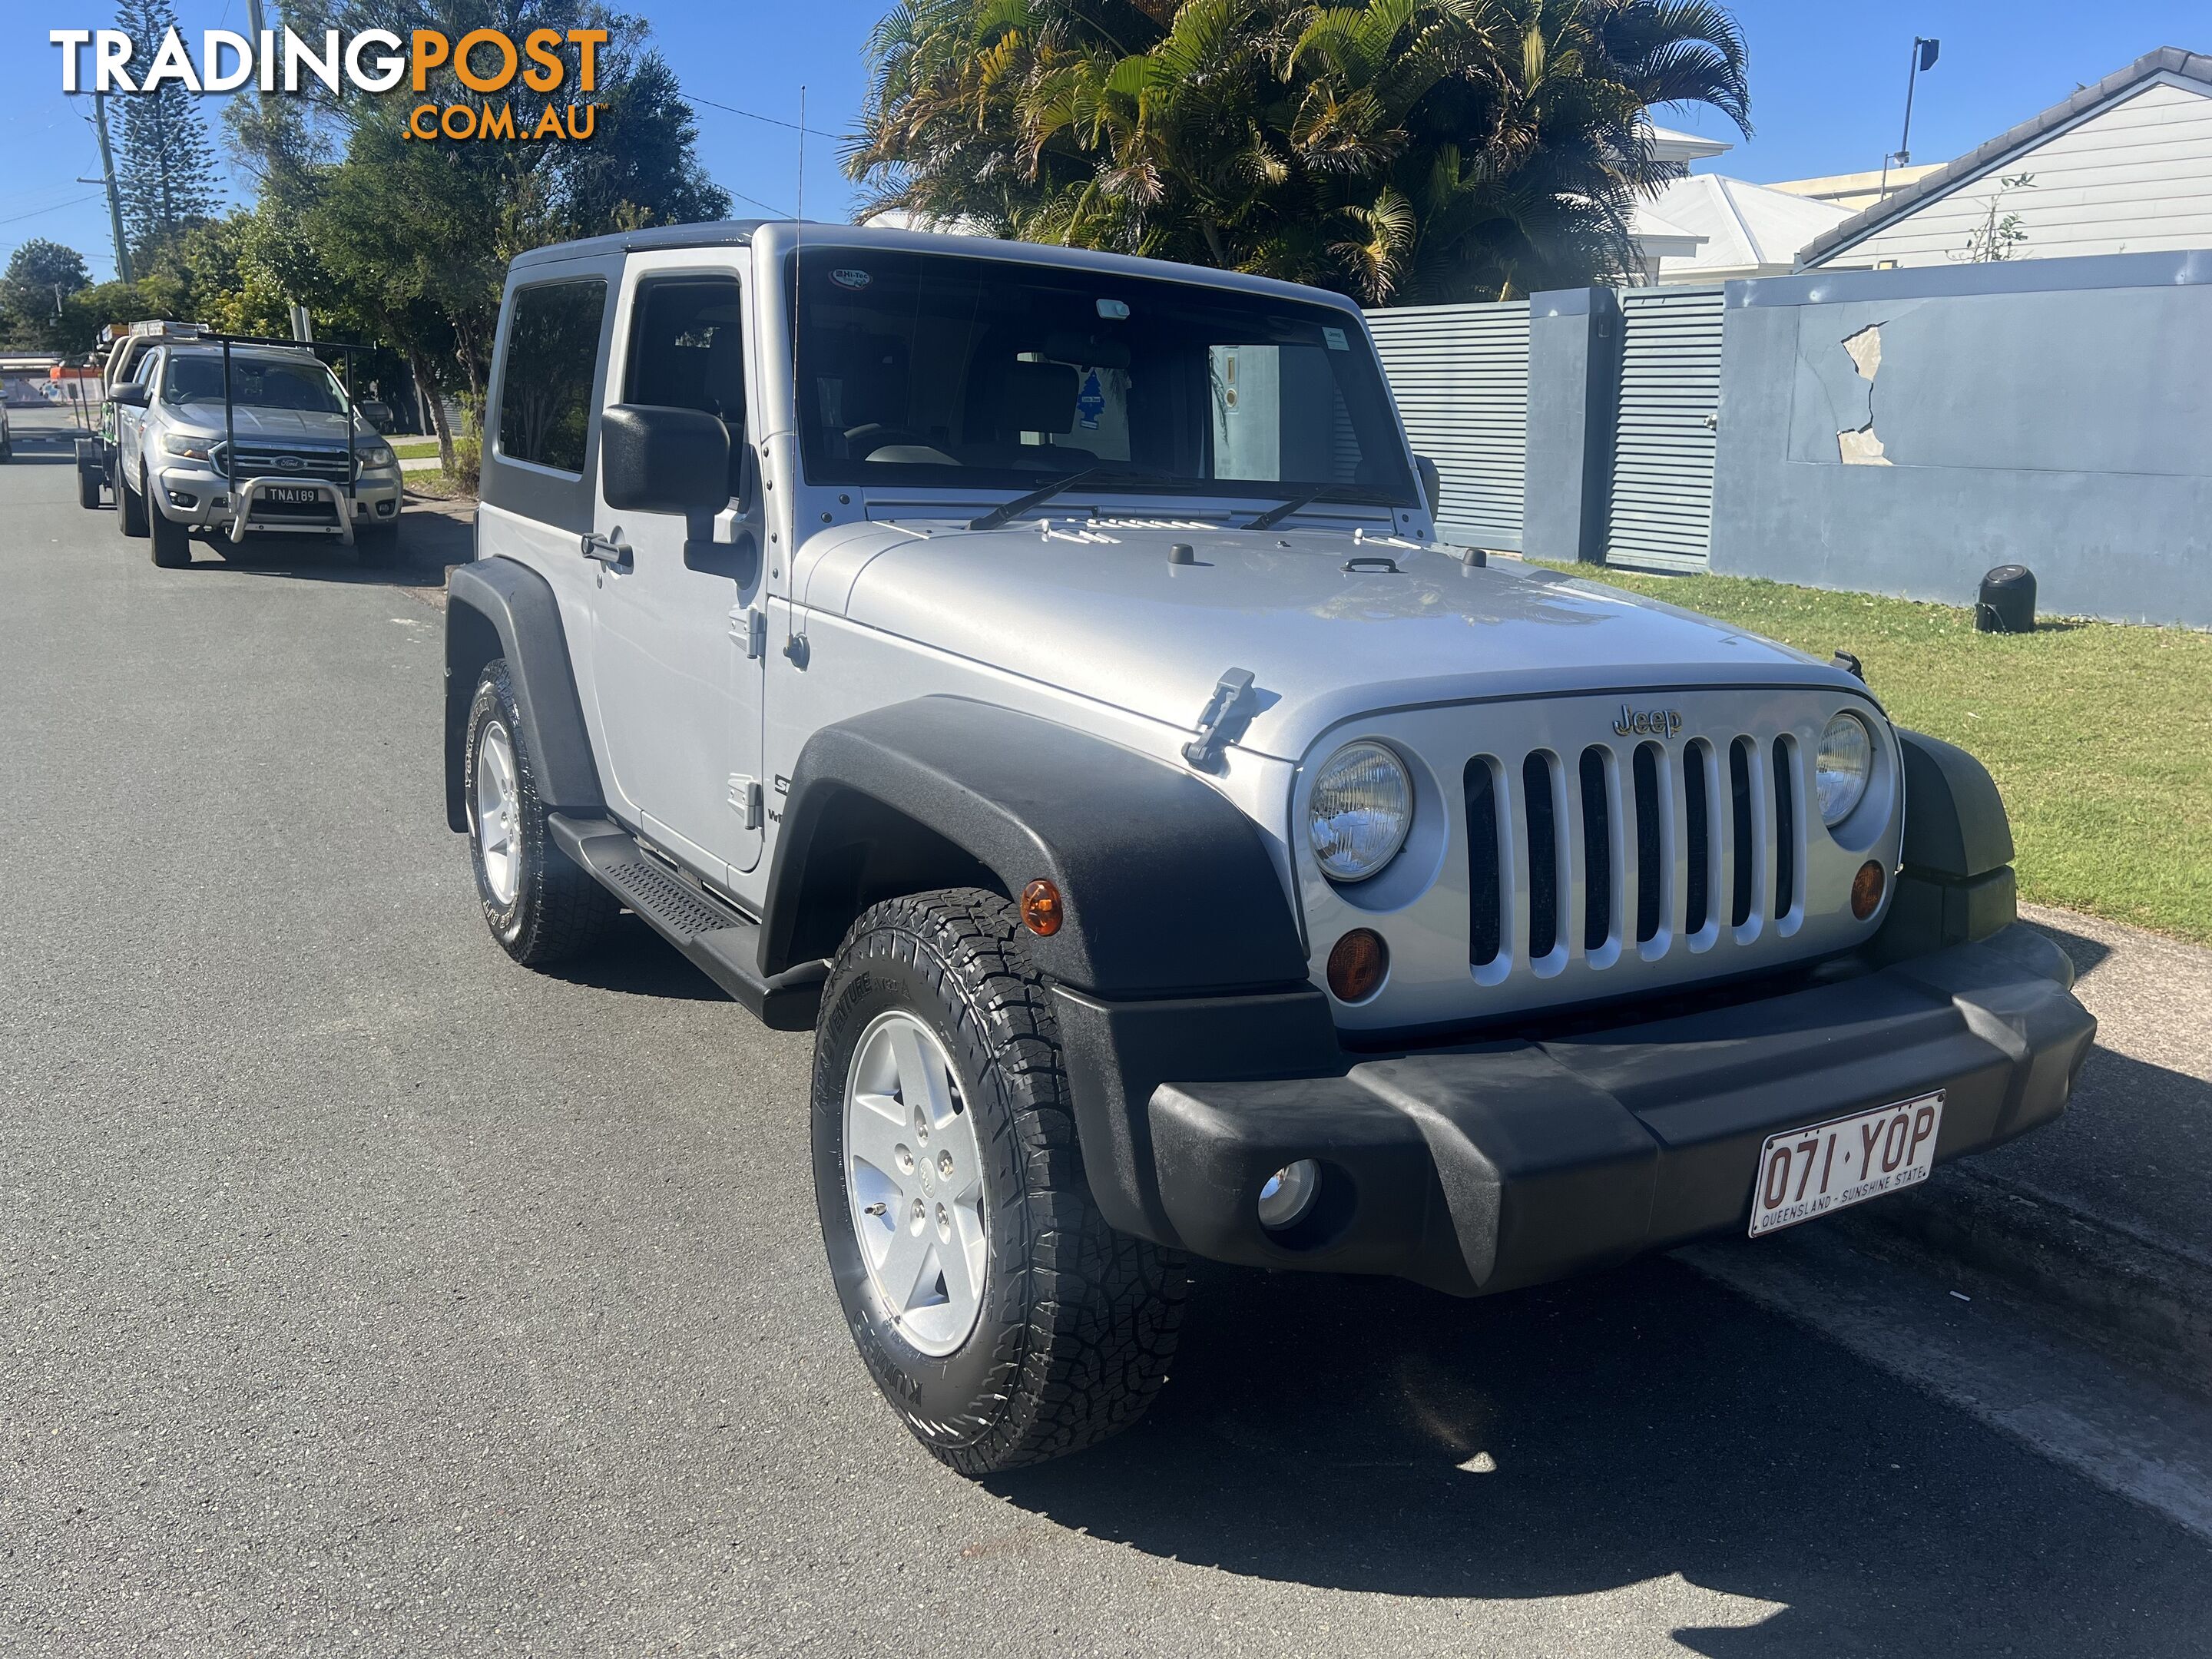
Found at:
(1866, 889)
(1286, 1195)
(1357, 965)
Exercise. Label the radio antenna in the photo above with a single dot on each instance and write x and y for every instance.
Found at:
(792, 647)
(797, 231)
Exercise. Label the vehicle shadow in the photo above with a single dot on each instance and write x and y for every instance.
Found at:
(1368, 1436)
(637, 961)
(433, 538)
(2085, 952)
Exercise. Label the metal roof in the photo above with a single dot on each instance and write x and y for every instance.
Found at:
(2166, 60)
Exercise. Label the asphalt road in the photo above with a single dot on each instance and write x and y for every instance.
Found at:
(366, 1293)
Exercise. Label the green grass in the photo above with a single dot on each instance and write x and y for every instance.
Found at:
(440, 486)
(2099, 734)
(414, 449)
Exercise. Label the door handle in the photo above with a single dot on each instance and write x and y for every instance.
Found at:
(607, 549)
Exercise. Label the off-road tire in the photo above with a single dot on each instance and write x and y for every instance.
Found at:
(558, 912)
(87, 488)
(171, 541)
(1077, 1323)
(130, 507)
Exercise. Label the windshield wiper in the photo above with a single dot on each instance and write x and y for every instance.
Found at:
(1007, 512)
(1282, 510)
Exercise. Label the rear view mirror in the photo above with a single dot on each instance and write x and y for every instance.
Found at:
(132, 392)
(654, 458)
(1432, 484)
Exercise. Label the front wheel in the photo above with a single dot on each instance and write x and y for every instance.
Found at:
(172, 542)
(87, 488)
(540, 906)
(999, 1316)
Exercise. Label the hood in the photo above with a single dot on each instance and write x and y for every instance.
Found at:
(1104, 614)
(289, 425)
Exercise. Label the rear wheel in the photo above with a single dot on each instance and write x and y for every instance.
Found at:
(130, 505)
(172, 542)
(1003, 1320)
(88, 486)
(540, 907)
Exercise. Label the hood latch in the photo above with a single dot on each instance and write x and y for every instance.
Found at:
(1230, 692)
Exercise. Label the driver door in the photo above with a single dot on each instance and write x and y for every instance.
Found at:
(678, 634)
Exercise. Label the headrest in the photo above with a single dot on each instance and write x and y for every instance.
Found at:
(1039, 397)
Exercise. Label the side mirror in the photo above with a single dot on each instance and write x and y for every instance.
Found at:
(1432, 484)
(132, 392)
(653, 458)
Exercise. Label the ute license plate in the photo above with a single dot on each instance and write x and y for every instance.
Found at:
(1811, 1171)
(291, 495)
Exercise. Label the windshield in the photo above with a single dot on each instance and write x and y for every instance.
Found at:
(256, 382)
(940, 369)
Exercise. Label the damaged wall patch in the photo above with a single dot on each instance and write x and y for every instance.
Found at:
(1857, 446)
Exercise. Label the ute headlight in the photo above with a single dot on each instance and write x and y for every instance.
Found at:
(376, 455)
(1844, 763)
(191, 446)
(1360, 809)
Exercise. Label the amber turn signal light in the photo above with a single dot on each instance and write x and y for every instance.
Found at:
(1041, 909)
(1356, 965)
(1866, 889)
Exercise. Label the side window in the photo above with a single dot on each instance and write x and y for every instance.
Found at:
(545, 387)
(687, 350)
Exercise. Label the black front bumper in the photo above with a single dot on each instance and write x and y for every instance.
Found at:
(1502, 1163)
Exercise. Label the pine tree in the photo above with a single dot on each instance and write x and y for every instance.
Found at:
(166, 173)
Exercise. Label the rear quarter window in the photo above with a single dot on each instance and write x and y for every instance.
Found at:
(545, 390)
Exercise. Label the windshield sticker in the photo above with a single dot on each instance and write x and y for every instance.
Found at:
(1091, 403)
(1114, 311)
(848, 277)
(1335, 339)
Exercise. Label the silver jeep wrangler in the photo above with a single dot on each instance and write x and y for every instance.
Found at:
(1038, 672)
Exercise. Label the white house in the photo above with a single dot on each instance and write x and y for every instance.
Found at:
(1740, 229)
(2124, 166)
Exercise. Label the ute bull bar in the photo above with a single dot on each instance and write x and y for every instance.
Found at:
(243, 494)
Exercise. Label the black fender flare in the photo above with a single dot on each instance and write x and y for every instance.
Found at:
(499, 607)
(1167, 888)
(1955, 882)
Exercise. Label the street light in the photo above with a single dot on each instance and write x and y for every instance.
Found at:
(1924, 56)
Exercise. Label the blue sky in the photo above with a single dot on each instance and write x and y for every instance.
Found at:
(1827, 89)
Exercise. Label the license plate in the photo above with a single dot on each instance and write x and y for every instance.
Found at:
(291, 496)
(1809, 1172)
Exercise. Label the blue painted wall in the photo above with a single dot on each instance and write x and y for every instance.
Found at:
(2055, 413)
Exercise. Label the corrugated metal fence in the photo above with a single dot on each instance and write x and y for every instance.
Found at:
(1460, 376)
(1664, 433)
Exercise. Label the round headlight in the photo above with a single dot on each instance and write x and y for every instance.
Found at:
(1845, 763)
(1361, 807)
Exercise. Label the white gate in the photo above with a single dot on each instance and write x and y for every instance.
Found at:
(1460, 376)
(1661, 515)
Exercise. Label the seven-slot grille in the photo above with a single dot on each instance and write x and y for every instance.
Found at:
(1595, 847)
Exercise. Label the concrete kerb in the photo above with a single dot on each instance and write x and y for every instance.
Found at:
(2102, 1224)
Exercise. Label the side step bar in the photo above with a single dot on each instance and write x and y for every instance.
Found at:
(721, 943)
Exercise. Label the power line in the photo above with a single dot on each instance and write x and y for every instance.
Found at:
(772, 120)
(58, 206)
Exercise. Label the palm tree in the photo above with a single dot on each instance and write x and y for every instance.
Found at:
(1399, 150)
